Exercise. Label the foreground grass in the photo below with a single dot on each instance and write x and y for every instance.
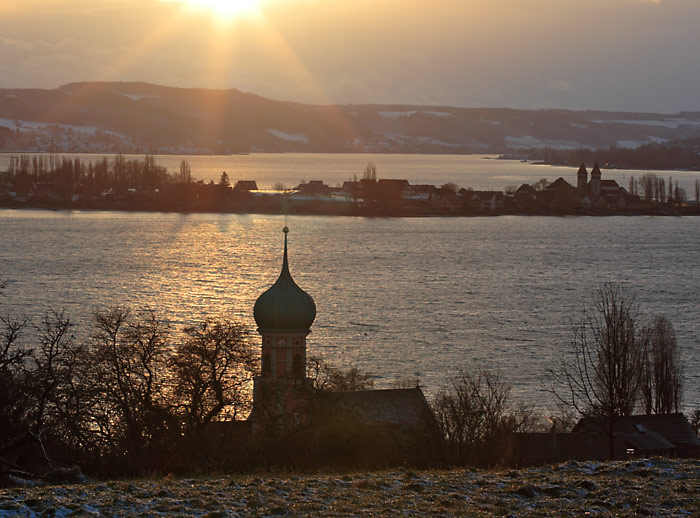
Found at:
(657, 487)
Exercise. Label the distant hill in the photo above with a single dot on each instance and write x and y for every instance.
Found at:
(140, 117)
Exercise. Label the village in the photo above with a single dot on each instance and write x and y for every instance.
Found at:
(120, 184)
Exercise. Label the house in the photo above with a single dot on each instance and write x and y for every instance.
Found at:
(484, 200)
(446, 200)
(664, 435)
(525, 196)
(391, 189)
(351, 187)
(245, 186)
(560, 194)
(314, 188)
(669, 435)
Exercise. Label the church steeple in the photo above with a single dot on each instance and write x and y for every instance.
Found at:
(595, 180)
(284, 307)
(284, 314)
(582, 178)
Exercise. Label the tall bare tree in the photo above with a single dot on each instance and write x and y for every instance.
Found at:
(663, 373)
(185, 172)
(603, 373)
(649, 185)
(370, 172)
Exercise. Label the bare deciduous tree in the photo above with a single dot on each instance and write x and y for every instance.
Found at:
(649, 186)
(325, 376)
(185, 172)
(370, 172)
(476, 417)
(662, 381)
(602, 375)
(213, 368)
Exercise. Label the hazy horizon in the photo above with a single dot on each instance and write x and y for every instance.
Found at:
(619, 55)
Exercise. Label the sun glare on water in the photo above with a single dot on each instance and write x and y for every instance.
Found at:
(227, 9)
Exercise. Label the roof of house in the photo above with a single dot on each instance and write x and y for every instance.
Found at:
(675, 428)
(390, 181)
(246, 185)
(526, 189)
(404, 407)
(648, 440)
(560, 184)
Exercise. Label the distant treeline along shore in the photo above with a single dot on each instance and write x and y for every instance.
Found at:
(55, 182)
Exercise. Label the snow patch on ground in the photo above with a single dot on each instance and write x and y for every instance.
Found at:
(644, 487)
(441, 115)
(288, 136)
(528, 141)
(397, 137)
(136, 97)
(631, 144)
(25, 126)
(397, 115)
(661, 123)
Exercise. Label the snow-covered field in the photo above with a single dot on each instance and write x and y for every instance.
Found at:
(658, 487)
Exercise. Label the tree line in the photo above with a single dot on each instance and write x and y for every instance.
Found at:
(76, 176)
(136, 397)
(672, 155)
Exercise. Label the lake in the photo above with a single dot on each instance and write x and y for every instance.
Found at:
(395, 296)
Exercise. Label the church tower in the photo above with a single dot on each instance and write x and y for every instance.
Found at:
(582, 178)
(595, 180)
(284, 314)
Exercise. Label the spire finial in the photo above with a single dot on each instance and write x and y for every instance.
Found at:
(285, 262)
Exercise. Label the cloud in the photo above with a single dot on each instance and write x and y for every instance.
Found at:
(560, 85)
(616, 54)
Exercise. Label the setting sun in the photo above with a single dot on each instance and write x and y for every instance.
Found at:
(221, 8)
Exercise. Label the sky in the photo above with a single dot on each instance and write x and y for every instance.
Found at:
(628, 55)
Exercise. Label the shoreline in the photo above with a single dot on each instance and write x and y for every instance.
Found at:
(364, 213)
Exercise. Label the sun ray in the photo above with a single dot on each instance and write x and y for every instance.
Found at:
(221, 10)
(112, 70)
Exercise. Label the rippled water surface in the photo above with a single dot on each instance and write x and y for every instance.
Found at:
(394, 296)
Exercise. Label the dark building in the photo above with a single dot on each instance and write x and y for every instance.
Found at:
(246, 185)
(399, 422)
(647, 435)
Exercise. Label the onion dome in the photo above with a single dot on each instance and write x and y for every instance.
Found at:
(284, 307)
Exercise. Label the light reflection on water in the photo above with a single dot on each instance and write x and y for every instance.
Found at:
(394, 296)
